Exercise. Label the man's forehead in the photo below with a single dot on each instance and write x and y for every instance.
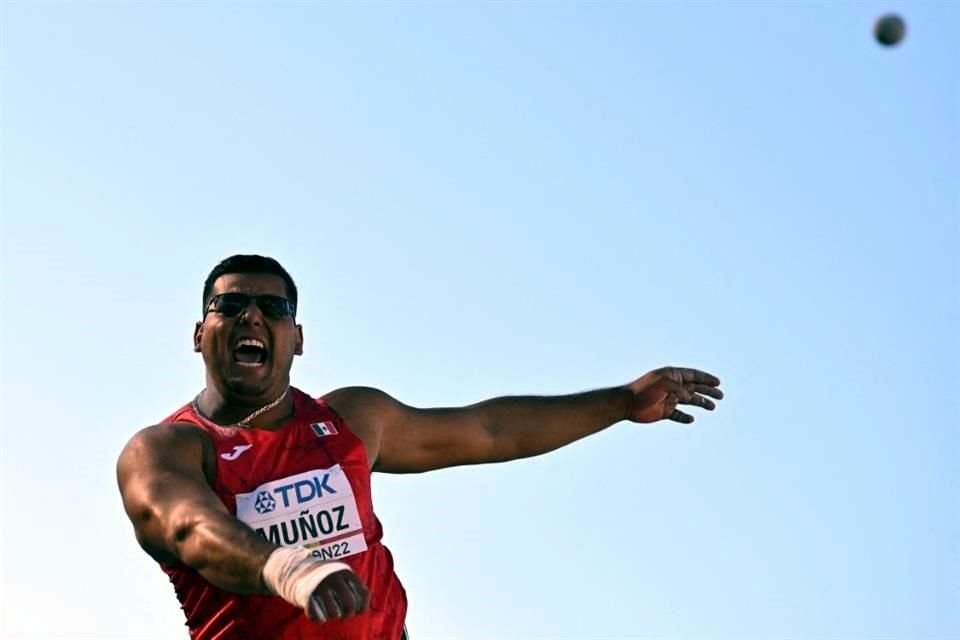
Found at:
(251, 283)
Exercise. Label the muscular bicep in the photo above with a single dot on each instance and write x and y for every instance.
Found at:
(163, 484)
(404, 439)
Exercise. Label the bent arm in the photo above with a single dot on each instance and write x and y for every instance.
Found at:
(403, 439)
(177, 516)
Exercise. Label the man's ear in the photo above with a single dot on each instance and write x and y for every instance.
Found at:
(299, 347)
(197, 335)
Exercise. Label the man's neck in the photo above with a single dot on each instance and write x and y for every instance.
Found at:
(217, 408)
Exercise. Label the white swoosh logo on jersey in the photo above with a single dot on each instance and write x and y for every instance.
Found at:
(237, 452)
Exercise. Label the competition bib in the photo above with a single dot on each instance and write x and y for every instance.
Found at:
(315, 509)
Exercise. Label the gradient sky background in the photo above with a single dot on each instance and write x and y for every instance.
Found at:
(487, 199)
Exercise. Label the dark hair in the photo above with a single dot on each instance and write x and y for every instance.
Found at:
(249, 264)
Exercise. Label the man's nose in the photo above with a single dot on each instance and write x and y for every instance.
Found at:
(251, 314)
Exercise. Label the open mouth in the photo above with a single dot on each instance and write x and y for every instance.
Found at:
(250, 352)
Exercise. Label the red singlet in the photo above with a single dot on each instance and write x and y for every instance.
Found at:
(305, 484)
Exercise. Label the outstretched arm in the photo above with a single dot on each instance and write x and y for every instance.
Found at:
(403, 439)
(178, 517)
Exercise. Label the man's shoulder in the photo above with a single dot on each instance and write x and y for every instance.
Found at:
(170, 443)
(168, 437)
(358, 395)
(172, 431)
(365, 409)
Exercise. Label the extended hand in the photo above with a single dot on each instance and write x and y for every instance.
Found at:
(657, 394)
(339, 595)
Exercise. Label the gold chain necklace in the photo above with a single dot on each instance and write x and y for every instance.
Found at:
(245, 423)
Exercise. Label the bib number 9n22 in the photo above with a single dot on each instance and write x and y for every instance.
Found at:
(332, 551)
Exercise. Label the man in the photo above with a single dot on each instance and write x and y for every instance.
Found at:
(255, 497)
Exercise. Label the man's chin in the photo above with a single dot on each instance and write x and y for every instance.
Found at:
(248, 386)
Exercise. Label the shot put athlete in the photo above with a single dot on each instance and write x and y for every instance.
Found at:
(255, 497)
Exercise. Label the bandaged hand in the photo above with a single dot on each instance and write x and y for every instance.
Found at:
(324, 590)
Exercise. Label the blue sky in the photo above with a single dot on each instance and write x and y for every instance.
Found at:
(489, 199)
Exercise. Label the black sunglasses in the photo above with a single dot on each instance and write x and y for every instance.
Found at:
(233, 304)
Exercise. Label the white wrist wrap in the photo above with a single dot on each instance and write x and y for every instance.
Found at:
(293, 574)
